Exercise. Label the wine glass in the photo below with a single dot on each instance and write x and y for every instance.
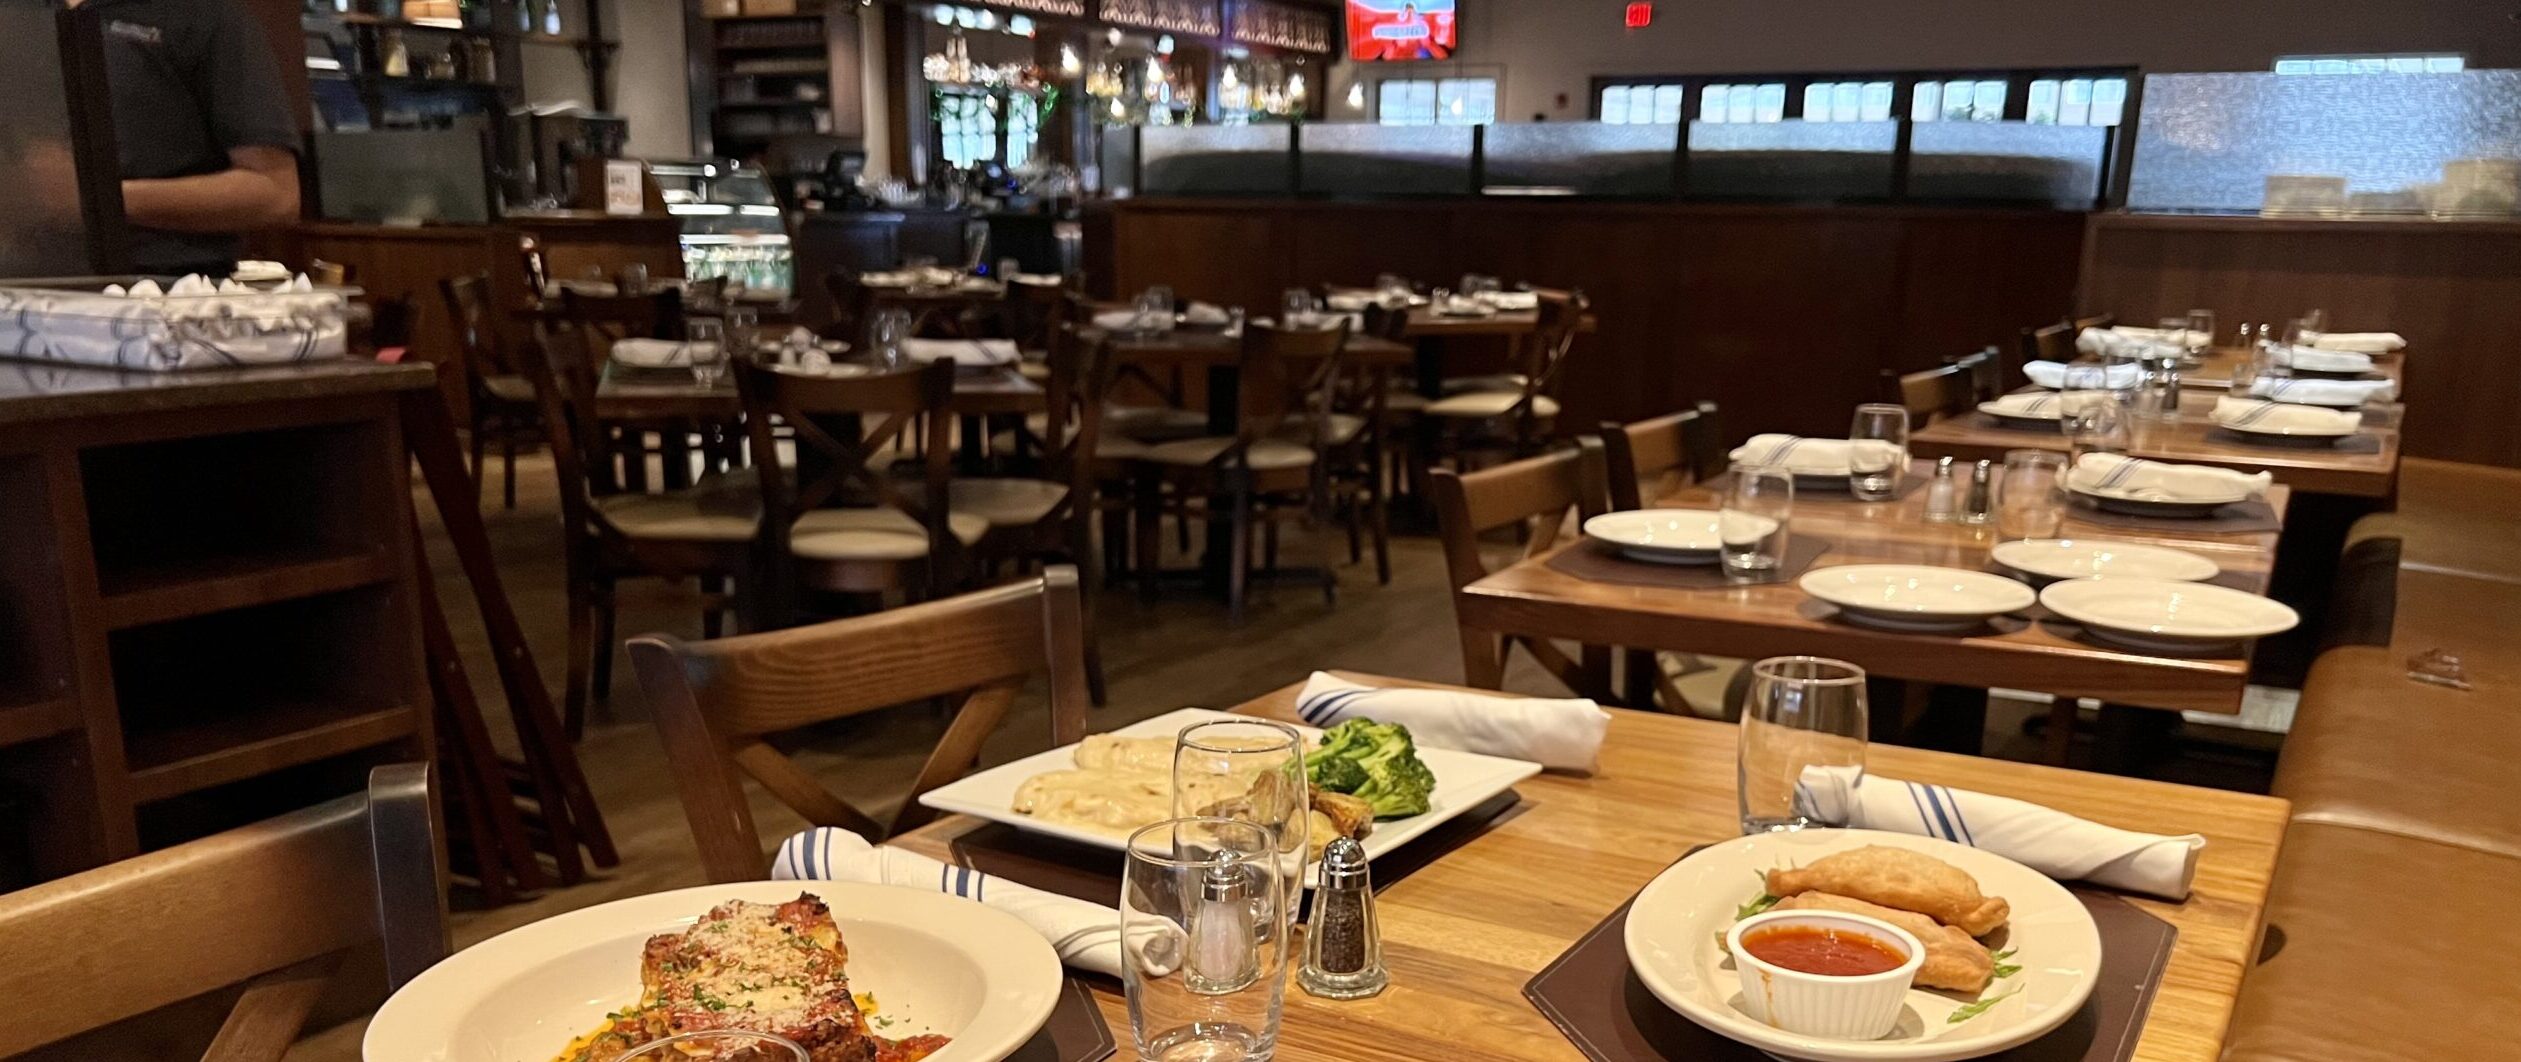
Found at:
(1154, 311)
(892, 327)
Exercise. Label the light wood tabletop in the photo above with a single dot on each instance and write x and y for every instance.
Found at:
(1463, 933)
(2032, 650)
(2192, 438)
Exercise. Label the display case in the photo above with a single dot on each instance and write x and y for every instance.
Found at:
(732, 224)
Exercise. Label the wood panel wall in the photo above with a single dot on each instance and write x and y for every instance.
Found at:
(2452, 288)
(1785, 315)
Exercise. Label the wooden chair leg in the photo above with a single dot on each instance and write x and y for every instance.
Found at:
(1269, 546)
(581, 656)
(1089, 596)
(2061, 732)
(480, 443)
(1150, 535)
(1379, 526)
(606, 612)
(1239, 554)
(507, 469)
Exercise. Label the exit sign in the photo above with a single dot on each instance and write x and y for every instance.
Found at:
(1640, 15)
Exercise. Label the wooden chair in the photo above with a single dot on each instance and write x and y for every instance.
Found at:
(1986, 374)
(1050, 515)
(502, 402)
(1650, 458)
(1516, 421)
(1536, 496)
(1930, 395)
(102, 963)
(2051, 343)
(717, 703)
(839, 521)
(1261, 474)
(610, 534)
(1645, 462)
(599, 321)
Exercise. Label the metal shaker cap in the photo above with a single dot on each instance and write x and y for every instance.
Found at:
(1344, 865)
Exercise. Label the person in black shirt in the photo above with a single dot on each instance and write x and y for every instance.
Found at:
(209, 148)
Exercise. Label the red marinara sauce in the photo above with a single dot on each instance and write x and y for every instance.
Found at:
(1822, 950)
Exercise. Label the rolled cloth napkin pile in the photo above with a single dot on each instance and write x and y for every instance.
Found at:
(1563, 735)
(2131, 477)
(2045, 839)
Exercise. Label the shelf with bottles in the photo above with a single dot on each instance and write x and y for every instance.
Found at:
(540, 22)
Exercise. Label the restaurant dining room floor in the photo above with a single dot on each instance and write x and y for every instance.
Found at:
(1178, 651)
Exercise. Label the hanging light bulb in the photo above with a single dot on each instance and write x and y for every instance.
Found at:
(944, 15)
(1112, 37)
(1119, 113)
(1357, 95)
(1069, 62)
(1295, 86)
(1164, 45)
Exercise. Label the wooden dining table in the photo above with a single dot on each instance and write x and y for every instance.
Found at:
(2033, 650)
(1463, 933)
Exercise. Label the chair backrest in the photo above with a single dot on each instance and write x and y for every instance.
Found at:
(603, 320)
(1657, 450)
(1032, 312)
(853, 305)
(564, 390)
(470, 313)
(1561, 315)
(909, 405)
(1284, 371)
(1985, 372)
(1536, 492)
(1080, 376)
(1385, 322)
(272, 906)
(2052, 343)
(1709, 457)
(2100, 321)
(716, 702)
(1932, 394)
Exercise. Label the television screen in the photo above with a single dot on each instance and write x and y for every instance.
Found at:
(1386, 30)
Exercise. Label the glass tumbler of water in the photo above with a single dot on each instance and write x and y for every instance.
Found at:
(1295, 308)
(1155, 310)
(1877, 451)
(2027, 501)
(1758, 505)
(2092, 418)
(1248, 769)
(1803, 731)
(704, 341)
(892, 328)
(1204, 960)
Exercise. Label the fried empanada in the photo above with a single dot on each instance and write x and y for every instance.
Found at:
(1901, 879)
(1954, 959)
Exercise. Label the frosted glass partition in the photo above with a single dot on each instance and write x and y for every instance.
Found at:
(1792, 160)
(1355, 158)
(1215, 159)
(1580, 158)
(2014, 162)
(2208, 142)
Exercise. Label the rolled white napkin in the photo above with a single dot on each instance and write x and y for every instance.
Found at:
(1808, 457)
(2361, 342)
(2317, 360)
(1205, 313)
(2052, 374)
(2250, 414)
(1131, 321)
(2045, 839)
(969, 353)
(1086, 935)
(1039, 280)
(2335, 393)
(2119, 476)
(2043, 405)
(639, 353)
(2181, 337)
(1348, 301)
(1563, 735)
(1513, 300)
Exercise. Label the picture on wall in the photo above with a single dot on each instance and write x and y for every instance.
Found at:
(1400, 30)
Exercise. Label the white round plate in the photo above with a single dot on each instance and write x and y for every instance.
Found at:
(1916, 597)
(1665, 536)
(2281, 431)
(1674, 924)
(2053, 414)
(2161, 614)
(935, 964)
(2081, 558)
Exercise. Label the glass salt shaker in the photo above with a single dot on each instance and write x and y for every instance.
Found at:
(1343, 944)
(1939, 494)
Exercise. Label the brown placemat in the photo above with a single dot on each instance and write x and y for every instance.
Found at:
(1599, 563)
(2254, 516)
(2358, 443)
(1076, 1031)
(1593, 998)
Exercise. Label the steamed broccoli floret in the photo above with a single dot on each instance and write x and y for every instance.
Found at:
(1376, 763)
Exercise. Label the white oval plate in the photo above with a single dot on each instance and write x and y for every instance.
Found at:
(1916, 596)
(2079, 558)
(1674, 923)
(2284, 431)
(935, 963)
(1667, 536)
(2161, 614)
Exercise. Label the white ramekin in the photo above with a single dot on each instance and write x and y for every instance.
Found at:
(1864, 1007)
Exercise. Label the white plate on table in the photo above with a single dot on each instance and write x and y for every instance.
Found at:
(1464, 780)
(2166, 615)
(2086, 558)
(935, 963)
(1674, 924)
(2118, 500)
(1915, 597)
(2239, 422)
(1667, 536)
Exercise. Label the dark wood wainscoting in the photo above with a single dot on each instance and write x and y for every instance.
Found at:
(2452, 288)
(1785, 315)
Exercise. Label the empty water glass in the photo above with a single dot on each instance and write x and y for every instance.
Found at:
(2201, 332)
(2028, 504)
(1805, 715)
(1295, 308)
(744, 331)
(1248, 769)
(1752, 525)
(2090, 414)
(1877, 451)
(704, 342)
(1204, 906)
(1155, 310)
(892, 327)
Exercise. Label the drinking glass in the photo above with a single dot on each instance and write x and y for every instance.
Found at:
(891, 328)
(717, 1043)
(2300, 332)
(2201, 332)
(1877, 451)
(1758, 505)
(1295, 308)
(1804, 714)
(2315, 321)
(704, 341)
(2027, 500)
(1203, 916)
(744, 331)
(1251, 770)
(1155, 310)
(2090, 414)
(631, 279)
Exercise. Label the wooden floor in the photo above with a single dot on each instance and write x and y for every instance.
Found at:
(1179, 651)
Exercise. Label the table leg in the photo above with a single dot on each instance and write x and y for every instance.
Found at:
(1483, 659)
(1225, 405)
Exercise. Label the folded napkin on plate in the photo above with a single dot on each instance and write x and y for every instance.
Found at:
(2128, 477)
(2053, 374)
(656, 353)
(1205, 313)
(2361, 342)
(2176, 336)
(2321, 360)
(1039, 280)
(1562, 735)
(2046, 840)
(2044, 405)
(2253, 414)
(1809, 457)
(970, 353)
(1132, 321)
(1086, 935)
(2339, 393)
(1513, 300)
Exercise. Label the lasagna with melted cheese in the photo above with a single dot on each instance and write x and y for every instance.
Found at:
(750, 967)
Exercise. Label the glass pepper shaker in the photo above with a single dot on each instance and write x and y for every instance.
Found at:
(1343, 945)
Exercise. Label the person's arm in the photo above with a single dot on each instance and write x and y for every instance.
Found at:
(259, 189)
